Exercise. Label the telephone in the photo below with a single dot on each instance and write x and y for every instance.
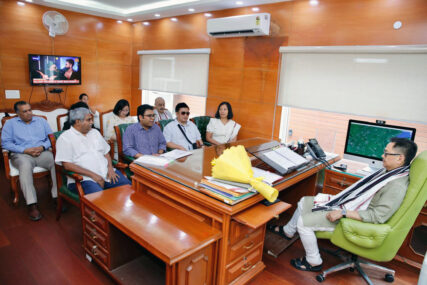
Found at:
(315, 150)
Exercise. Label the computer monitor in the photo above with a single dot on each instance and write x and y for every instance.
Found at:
(366, 141)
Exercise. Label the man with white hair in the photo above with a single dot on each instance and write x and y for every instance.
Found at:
(83, 150)
(160, 110)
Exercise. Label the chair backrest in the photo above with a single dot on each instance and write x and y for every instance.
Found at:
(202, 122)
(103, 119)
(53, 138)
(51, 116)
(60, 120)
(120, 130)
(3, 115)
(163, 123)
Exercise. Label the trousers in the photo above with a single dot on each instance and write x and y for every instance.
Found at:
(90, 186)
(25, 163)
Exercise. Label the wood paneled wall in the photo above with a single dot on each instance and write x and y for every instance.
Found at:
(244, 71)
(105, 48)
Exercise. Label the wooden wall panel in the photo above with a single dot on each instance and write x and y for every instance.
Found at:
(104, 46)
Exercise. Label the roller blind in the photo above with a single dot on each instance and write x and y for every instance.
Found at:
(175, 71)
(375, 81)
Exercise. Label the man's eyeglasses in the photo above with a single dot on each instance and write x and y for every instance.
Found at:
(389, 153)
(185, 113)
(150, 116)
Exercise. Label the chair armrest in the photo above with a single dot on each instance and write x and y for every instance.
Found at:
(363, 234)
(6, 163)
(73, 175)
(119, 165)
(129, 158)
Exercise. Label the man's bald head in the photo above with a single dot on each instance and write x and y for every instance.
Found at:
(159, 104)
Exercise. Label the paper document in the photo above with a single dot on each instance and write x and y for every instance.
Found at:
(153, 160)
(291, 155)
(278, 159)
(269, 177)
(175, 154)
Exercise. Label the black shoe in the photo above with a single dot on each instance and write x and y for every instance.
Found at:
(34, 213)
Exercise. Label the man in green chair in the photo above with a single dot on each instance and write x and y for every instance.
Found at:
(373, 199)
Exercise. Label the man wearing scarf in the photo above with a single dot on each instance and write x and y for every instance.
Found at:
(373, 199)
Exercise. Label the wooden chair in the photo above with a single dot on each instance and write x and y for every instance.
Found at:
(103, 119)
(120, 130)
(60, 120)
(62, 174)
(12, 173)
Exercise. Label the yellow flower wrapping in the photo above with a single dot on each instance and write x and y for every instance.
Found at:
(234, 165)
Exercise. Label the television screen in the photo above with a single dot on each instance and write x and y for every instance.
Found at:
(368, 140)
(54, 69)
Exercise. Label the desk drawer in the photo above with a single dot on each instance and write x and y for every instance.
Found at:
(339, 181)
(330, 190)
(244, 264)
(94, 234)
(96, 251)
(245, 245)
(93, 217)
(239, 232)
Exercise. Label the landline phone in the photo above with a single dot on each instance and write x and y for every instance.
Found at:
(315, 150)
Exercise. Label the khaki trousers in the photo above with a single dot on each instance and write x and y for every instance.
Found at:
(25, 163)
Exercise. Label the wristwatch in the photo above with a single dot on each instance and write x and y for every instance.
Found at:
(344, 213)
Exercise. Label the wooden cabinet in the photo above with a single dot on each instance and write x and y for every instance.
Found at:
(336, 181)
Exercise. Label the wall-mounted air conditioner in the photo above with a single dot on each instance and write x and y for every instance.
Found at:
(240, 26)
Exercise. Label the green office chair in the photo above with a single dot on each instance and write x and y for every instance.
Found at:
(120, 130)
(380, 242)
(202, 122)
(62, 174)
(163, 123)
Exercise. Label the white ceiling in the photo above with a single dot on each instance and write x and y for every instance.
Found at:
(140, 10)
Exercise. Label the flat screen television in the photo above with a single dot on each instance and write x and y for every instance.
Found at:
(54, 69)
(366, 141)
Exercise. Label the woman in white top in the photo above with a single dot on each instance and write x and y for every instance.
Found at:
(222, 129)
(120, 116)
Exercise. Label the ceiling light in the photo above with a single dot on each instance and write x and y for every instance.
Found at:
(208, 15)
(130, 20)
(239, 2)
(255, 9)
(314, 2)
(29, 1)
(146, 23)
(119, 21)
(20, 3)
(157, 15)
(174, 19)
(191, 10)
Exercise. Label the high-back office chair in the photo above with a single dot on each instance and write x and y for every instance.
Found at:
(60, 120)
(62, 174)
(380, 242)
(103, 119)
(202, 122)
(163, 123)
(120, 130)
(12, 173)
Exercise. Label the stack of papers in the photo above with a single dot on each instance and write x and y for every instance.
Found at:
(268, 177)
(162, 160)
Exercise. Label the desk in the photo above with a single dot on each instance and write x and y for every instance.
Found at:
(242, 226)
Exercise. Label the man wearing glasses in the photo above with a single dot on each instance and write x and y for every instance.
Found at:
(181, 133)
(144, 137)
(373, 199)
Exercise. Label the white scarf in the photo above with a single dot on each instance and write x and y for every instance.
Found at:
(359, 195)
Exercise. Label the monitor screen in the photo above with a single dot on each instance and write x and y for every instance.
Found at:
(54, 69)
(368, 140)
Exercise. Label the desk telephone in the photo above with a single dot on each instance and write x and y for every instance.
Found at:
(315, 150)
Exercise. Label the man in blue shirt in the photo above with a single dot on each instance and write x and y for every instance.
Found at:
(26, 137)
(144, 137)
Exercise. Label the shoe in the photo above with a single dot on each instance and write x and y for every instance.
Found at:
(278, 230)
(34, 213)
(302, 264)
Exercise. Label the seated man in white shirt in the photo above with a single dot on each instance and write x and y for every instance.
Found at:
(160, 110)
(83, 150)
(181, 133)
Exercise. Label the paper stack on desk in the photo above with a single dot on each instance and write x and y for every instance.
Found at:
(162, 160)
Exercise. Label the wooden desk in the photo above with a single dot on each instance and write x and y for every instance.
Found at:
(242, 226)
(138, 239)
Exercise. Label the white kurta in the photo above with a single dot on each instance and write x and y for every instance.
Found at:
(165, 116)
(223, 133)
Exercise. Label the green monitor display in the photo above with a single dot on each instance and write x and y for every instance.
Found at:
(366, 141)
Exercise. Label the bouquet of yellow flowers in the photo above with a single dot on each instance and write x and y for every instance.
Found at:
(234, 165)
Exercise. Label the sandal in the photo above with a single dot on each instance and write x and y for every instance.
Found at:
(280, 232)
(302, 264)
